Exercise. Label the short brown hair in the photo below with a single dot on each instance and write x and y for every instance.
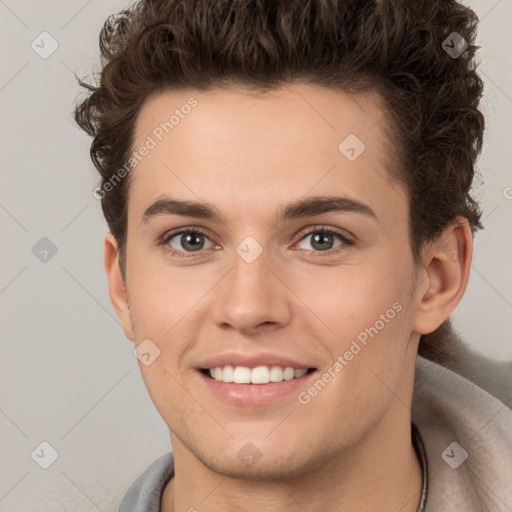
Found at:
(392, 47)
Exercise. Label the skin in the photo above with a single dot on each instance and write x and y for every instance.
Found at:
(248, 156)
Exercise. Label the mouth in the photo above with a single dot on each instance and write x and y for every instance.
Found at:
(255, 386)
(254, 379)
(258, 375)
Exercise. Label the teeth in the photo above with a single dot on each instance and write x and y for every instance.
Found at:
(276, 374)
(241, 375)
(228, 374)
(258, 375)
(288, 374)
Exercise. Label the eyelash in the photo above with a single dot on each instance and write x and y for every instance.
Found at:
(164, 240)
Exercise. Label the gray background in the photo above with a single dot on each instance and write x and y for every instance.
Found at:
(68, 375)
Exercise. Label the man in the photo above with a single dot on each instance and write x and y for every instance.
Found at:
(287, 189)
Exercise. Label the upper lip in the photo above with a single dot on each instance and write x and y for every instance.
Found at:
(252, 361)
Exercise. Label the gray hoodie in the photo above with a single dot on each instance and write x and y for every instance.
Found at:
(465, 431)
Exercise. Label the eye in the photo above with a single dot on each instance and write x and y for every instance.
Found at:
(322, 239)
(186, 241)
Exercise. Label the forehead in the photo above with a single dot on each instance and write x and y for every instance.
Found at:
(305, 113)
(238, 145)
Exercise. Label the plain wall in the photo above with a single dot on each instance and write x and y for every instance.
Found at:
(68, 375)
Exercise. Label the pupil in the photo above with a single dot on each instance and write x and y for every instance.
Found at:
(319, 238)
(190, 238)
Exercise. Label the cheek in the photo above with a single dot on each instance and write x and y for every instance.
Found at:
(169, 308)
(348, 299)
(159, 296)
(369, 317)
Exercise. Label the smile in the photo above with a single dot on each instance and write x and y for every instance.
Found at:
(257, 375)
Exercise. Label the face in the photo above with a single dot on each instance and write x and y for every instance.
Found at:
(273, 277)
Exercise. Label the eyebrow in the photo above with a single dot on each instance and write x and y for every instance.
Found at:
(307, 207)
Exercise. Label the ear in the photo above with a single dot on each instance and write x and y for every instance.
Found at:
(444, 276)
(116, 286)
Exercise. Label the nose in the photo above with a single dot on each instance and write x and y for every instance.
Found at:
(252, 297)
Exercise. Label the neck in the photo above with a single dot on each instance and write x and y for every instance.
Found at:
(382, 473)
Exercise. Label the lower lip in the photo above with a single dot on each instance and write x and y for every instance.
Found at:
(254, 394)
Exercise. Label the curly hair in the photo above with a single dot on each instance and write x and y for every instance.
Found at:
(395, 48)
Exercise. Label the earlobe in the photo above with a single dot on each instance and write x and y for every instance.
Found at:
(447, 263)
(116, 285)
